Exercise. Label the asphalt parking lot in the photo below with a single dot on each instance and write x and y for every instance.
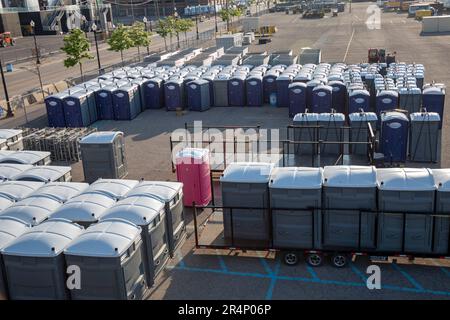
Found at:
(211, 274)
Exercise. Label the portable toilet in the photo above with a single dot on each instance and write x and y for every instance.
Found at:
(103, 155)
(245, 198)
(174, 94)
(410, 99)
(310, 85)
(442, 205)
(27, 157)
(198, 95)
(254, 86)
(9, 170)
(61, 191)
(297, 98)
(283, 81)
(10, 229)
(210, 79)
(109, 255)
(386, 100)
(18, 190)
(339, 96)
(104, 101)
(269, 85)
(295, 196)
(114, 188)
(358, 100)
(433, 99)
(306, 130)
(154, 93)
(322, 99)
(394, 136)
(406, 199)
(140, 82)
(331, 125)
(220, 85)
(148, 213)
(424, 136)
(46, 174)
(55, 109)
(126, 102)
(77, 109)
(349, 202)
(34, 263)
(359, 131)
(193, 170)
(237, 91)
(93, 112)
(171, 193)
(85, 209)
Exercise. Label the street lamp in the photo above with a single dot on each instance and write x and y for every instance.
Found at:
(94, 30)
(32, 25)
(196, 26)
(145, 20)
(9, 112)
(215, 16)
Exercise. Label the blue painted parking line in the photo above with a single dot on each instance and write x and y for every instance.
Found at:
(222, 264)
(358, 272)
(407, 276)
(273, 280)
(312, 272)
(265, 265)
(444, 270)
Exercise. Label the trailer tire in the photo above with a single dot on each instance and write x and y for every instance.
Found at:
(290, 258)
(314, 259)
(339, 260)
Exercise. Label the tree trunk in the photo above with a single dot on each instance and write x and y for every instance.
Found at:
(171, 47)
(185, 38)
(81, 71)
(165, 43)
(121, 56)
(178, 40)
(139, 53)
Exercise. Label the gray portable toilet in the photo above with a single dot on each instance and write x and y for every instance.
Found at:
(84, 209)
(109, 255)
(18, 190)
(114, 188)
(9, 170)
(424, 136)
(34, 261)
(126, 102)
(171, 193)
(359, 131)
(46, 174)
(147, 212)
(331, 131)
(220, 84)
(10, 229)
(33, 210)
(27, 157)
(61, 191)
(13, 137)
(442, 220)
(197, 92)
(410, 99)
(245, 185)
(295, 197)
(349, 199)
(77, 110)
(306, 131)
(406, 198)
(103, 155)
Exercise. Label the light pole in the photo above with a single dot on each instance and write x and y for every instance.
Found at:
(196, 26)
(215, 16)
(9, 112)
(148, 44)
(32, 25)
(94, 30)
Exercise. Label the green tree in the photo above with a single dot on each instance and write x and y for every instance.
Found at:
(120, 40)
(163, 30)
(185, 25)
(171, 22)
(139, 35)
(76, 47)
(225, 15)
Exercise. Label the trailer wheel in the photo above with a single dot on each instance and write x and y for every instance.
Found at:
(314, 259)
(290, 258)
(339, 260)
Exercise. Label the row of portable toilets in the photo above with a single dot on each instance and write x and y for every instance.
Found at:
(124, 93)
(119, 234)
(350, 208)
(416, 135)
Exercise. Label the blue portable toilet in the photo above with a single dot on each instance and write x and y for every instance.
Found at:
(322, 99)
(236, 90)
(283, 81)
(154, 93)
(198, 95)
(174, 94)
(386, 100)
(358, 100)
(433, 100)
(126, 102)
(297, 98)
(210, 79)
(310, 85)
(104, 101)
(76, 110)
(394, 136)
(269, 84)
(254, 86)
(186, 80)
(55, 109)
(339, 96)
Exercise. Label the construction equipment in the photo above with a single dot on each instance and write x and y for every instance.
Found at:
(392, 5)
(423, 13)
(313, 13)
(6, 40)
(379, 55)
(266, 31)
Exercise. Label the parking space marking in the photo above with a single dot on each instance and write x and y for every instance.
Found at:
(348, 45)
(358, 272)
(222, 264)
(407, 276)
(312, 272)
(445, 271)
(273, 280)
(265, 265)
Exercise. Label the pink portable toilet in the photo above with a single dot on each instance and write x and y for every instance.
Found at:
(193, 171)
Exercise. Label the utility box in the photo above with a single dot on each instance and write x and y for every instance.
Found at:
(424, 136)
(294, 188)
(103, 155)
